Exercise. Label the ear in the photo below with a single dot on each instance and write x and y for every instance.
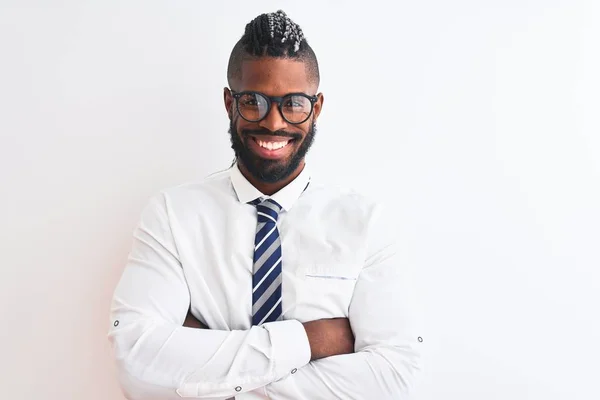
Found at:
(229, 101)
(318, 105)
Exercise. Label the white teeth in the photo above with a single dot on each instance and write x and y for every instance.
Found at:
(272, 145)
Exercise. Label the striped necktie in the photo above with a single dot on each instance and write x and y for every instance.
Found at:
(266, 280)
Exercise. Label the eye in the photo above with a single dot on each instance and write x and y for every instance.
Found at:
(297, 102)
(248, 101)
(291, 103)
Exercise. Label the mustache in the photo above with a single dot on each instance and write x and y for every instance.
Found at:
(246, 133)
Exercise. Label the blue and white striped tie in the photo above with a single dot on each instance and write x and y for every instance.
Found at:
(266, 281)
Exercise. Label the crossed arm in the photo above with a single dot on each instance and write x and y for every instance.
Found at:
(326, 337)
(160, 357)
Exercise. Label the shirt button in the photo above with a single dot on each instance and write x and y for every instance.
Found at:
(116, 323)
(420, 339)
(239, 388)
(294, 370)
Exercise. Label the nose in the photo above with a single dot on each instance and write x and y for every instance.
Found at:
(274, 121)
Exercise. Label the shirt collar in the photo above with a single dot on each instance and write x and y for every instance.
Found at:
(286, 197)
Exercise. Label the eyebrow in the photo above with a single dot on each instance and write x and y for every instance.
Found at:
(267, 95)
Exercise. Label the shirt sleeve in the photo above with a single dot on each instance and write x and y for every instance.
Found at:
(158, 358)
(383, 315)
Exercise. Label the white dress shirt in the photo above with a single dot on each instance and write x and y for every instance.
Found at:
(194, 247)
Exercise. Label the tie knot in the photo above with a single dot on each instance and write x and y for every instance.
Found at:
(268, 210)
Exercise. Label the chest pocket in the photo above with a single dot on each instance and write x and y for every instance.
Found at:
(325, 290)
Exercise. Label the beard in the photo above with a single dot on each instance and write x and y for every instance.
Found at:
(270, 171)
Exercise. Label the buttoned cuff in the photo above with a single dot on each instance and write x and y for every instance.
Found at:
(291, 349)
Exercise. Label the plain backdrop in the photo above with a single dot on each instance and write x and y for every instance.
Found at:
(478, 119)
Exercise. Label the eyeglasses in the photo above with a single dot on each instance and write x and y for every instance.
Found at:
(295, 108)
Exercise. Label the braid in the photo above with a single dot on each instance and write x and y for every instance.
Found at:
(272, 35)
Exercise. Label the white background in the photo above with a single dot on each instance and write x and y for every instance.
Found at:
(479, 119)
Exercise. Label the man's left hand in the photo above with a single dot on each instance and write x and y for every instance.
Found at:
(192, 322)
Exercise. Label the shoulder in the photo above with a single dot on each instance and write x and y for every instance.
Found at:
(347, 208)
(343, 198)
(194, 195)
(217, 184)
(352, 212)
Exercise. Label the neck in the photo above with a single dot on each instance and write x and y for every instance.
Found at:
(270, 188)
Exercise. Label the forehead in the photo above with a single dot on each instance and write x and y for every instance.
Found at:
(275, 76)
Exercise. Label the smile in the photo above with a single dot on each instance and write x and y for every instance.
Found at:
(273, 145)
(271, 149)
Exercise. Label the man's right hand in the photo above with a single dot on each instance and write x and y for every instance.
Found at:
(329, 337)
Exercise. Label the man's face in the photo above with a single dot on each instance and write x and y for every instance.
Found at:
(272, 149)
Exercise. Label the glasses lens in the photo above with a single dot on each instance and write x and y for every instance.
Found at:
(296, 108)
(253, 106)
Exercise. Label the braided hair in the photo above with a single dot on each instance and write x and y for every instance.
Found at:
(272, 35)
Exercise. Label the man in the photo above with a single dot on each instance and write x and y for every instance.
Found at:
(292, 287)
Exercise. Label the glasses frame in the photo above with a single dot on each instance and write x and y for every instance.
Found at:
(274, 99)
